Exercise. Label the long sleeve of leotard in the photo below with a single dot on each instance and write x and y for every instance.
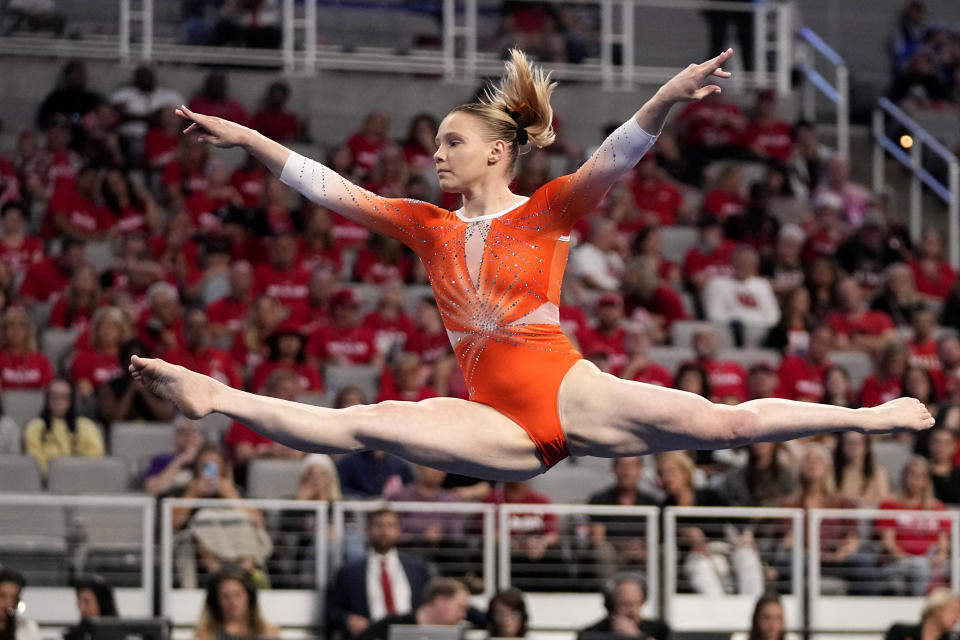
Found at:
(569, 198)
(402, 219)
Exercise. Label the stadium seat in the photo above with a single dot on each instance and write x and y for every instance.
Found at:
(892, 456)
(676, 242)
(77, 475)
(33, 538)
(569, 482)
(22, 404)
(671, 357)
(324, 399)
(682, 332)
(413, 294)
(365, 376)
(56, 344)
(273, 478)
(215, 426)
(99, 254)
(857, 364)
(746, 358)
(137, 442)
(367, 295)
(113, 539)
(19, 473)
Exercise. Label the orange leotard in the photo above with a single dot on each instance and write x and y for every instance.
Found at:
(496, 277)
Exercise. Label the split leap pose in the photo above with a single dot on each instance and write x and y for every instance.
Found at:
(495, 266)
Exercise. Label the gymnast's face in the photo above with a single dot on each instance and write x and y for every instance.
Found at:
(464, 157)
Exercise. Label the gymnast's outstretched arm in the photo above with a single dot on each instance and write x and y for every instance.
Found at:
(396, 218)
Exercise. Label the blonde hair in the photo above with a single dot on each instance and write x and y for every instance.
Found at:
(928, 500)
(682, 460)
(936, 600)
(523, 92)
(828, 485)
(109, 314)
(329, 467)
(13, 314)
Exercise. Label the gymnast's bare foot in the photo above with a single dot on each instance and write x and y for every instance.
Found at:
(902, 414)
(192, 392)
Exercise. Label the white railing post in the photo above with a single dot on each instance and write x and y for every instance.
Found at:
(124, 31)
(503, 546)
(489, 549)
(166, 556)
(813, 564)
(606, 43)
(289, 61)
(785, 27)
(954, 551)
(653, 561)
(879, 168)
(449, 40)
(310, 41)
(760, 26)
(146, 51)
(669, 561)
(916, 191)
(338, 533)
(470, 39)
(843, 111)
(320, 548)
(626, 16)
(148, 533)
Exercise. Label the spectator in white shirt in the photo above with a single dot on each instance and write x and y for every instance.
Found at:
(597, 262)
(744, 300)
(139, 103)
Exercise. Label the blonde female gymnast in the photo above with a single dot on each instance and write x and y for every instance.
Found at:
(495, 265)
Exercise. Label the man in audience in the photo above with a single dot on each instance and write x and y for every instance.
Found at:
(623, 599)
(597, 262)
(384, 582)
(199, 355)
(801, 376)
(227, 314)
(608, 334)
(12, 624)
(445, 602)
(710, 257)
(50, 276)
(283, 277)
(369, 474)
(855, 326)
(744, 300)
(639, 367)
(727, 378)
(170, 473)
(345, 340)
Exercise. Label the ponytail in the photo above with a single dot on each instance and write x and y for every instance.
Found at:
(519, 107)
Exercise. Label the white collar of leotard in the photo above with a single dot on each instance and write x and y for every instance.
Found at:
(489, 216)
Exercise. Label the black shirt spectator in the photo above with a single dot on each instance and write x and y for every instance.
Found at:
(624, 599)
(71, 98)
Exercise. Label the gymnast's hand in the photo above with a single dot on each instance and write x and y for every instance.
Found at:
(688, 85)
(217, 131)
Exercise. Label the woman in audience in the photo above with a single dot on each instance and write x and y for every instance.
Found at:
(843, 554)
(821, 282)
(79, 302)
(944, 472)
(231, 610)
(648, 242)
(884, 383)
(250, 346)
(507, 614)
(791, 335)
(767, 622)
(859, 480)
(675, 470)
(92, 367)
(132, 209)
(94, 600)
(317, 244)
(916, 547)
(349, 396)
(899, 297)
(22, 366)
(941, 611)
(59, 431)
(838, 388)
(287, 347)
(693, 378)
(934, 275)
(918, 383)
(766, 479)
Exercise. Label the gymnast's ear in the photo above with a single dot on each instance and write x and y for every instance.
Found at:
(498, 152)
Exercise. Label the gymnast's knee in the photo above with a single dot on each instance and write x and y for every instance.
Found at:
(736, 425)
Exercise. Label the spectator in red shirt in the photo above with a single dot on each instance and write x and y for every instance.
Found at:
(727, 198)
(274, 216)
(213, 100)
(384, 259)
(756, 224)
(49, 278)
(72, 211)
(129, 209)
(226, 315)
(430, 340)
(657, 199)
(77, 305)
(649, 243)
(534, 538)
(407, 380)
(283, 278)
(199, 354)
(711, 256)
(208, 207)
(918, 383)
(639, 367)
(389, 321)
(249, 346)
(711, 128)
(801, 376)
(934, 275)
(828, 229)
(317, 244)
(248, 179)
(767, 136)
(161, 326)
(287, 351)
(727, 378)
(855, 326)
(608, 333)
(244, 444)
(56, 165)
(314, 312)
(188, 173)
(163, 138)
(947, 379)
(21, 365)
(838, 388)
(923, 346)
(885, 383)
(650, 301)
(389, 176)
(762, 381)
(92, 367)
(275, 121)
(366, 143)
(918, 546)
(18, 249)
(344, 340)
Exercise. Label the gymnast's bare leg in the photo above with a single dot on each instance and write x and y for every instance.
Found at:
(444, 433)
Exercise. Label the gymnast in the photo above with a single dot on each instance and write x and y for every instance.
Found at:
(495, 265)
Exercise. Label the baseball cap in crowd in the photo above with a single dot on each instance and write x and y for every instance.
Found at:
(345, 297)
(610, 299)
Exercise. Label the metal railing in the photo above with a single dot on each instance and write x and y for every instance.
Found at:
(859, 612)
(808, 43)
(52, 538)
(755, 534)
(301, 52)
(917, 140)
(297, 530)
